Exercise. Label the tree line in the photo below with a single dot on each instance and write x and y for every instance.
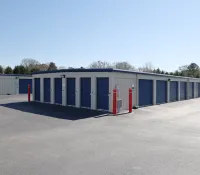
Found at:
(28, 66)
(190, 70)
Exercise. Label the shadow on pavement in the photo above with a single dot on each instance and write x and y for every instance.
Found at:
(55, 111)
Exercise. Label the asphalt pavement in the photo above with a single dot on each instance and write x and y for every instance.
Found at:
(39, 139)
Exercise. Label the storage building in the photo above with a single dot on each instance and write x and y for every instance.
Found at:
(93, 88)
(14, 84)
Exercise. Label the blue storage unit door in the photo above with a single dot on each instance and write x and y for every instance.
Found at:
(37, 89)
(23, 85)
(191, 90)
(145, 92)
(103, 93)
(161, 92)
(58, 90)
(183, 90)
(198, 89)
(47, 90)
(71, 91)
(173, 91)
(86, 92)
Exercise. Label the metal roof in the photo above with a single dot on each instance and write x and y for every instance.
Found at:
(15, 75)
(106, 70)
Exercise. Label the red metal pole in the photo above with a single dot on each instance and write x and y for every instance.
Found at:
(29, 93)
(130, 100)
(114, 101)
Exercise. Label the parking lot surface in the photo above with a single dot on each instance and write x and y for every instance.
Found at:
(38, 139)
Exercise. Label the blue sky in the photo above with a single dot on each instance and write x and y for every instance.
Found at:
(78, 32)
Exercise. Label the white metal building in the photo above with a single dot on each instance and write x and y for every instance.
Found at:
(92, 88)
(14, 84)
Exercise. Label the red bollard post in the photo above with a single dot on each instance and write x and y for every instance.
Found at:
(114, 101)
(29, 93)
(130, 100)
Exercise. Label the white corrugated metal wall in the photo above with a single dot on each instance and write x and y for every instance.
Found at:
(124, 82)
(8, 85)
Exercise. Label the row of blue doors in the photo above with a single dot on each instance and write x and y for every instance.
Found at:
(102, 91)
(146, 91)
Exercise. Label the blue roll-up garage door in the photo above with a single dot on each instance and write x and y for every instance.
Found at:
(47, 90)
(161, 92)
(173, 91)
(23, 85)
(198, 89)
(183, 90)
(86, 92)
(71, 91)
(145, 92)
(58, 90)
(103, 93)
(191, 90)
(37, 89)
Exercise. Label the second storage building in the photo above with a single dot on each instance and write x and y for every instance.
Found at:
(11, 84)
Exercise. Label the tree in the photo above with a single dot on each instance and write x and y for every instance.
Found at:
(180, 74)
(34, 70)
(62, 67)
(123, 65)
(52, 66)
(30, 63)
(148, 67)
(43, 67)
(176, 73)
(154, 71)
(8, 70)
(1, 69)
(191, 70)
(162, 72)
(184, 70)
(193, 66)
(70, 68)
(20, 70)
(158, 71)
(16, 70)
(100, 64)
(23, 70)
